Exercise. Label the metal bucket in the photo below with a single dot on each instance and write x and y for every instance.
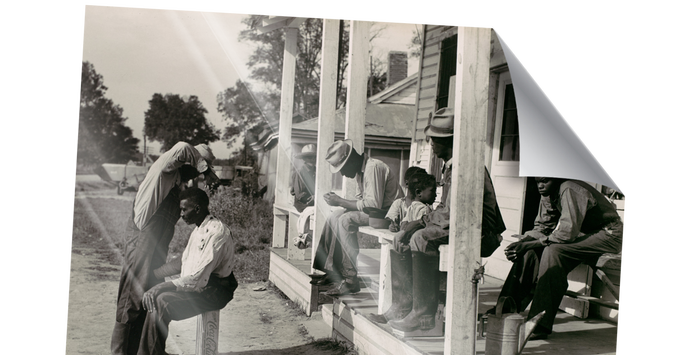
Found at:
(504, 332)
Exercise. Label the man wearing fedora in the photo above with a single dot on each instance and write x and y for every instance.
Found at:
(417, 249)
(304, 179)
(377, 188)
(149, 232)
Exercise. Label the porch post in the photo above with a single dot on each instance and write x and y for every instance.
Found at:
(357, 84)
(470, 110)
(326, 129)
(283, 161)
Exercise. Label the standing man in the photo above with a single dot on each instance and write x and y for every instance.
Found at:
(338, 247)
(149, 232)
(418, 247)
(575, 224)
(206, 282)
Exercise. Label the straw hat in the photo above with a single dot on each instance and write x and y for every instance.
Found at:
(441, 124)
(205, 152)
(308, 151)
(338, 154)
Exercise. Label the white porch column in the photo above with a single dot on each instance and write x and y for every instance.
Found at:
(326, 129)
(283, 161)
(470, 110)
(357, 84)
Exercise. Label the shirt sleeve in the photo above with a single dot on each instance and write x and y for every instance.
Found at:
(185, 153)
(546, 220)
(574, 205)
(393, 213)
(421, 209)
(210, 258)
(374, 187)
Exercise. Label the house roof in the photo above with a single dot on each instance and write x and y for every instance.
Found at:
(387, 120)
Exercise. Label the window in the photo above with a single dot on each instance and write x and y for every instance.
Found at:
(509, 144)
(447, 68)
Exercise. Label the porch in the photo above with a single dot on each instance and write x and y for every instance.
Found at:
(346, 315)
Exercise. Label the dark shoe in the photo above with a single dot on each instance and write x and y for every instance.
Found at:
(343, 288)
(540, 333)
(325, 280)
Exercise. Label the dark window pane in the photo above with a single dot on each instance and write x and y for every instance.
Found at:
(509, 145)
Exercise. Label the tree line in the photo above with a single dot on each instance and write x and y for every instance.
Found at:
(104, 137)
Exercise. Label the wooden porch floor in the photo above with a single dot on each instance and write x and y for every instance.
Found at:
(346, 316)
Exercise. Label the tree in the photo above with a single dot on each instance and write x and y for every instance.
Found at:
(103, 136)
(245, 109)
(416, 44)
(171, 119)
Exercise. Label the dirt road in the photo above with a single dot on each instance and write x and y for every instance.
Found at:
(254, 322)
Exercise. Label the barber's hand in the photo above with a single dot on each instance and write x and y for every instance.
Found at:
(332, 199)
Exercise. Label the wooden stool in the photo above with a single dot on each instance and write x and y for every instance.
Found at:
(207, 333)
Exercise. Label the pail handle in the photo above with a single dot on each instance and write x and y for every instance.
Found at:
(501, 302)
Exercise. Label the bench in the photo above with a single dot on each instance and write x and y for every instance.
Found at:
(207, 333)
(608, 270)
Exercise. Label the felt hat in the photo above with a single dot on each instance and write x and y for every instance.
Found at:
(338, 154)
(205, 152)
(308, 151)
(441, 124)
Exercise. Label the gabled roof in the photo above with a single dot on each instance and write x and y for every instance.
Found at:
(386, 120)
(403, 92)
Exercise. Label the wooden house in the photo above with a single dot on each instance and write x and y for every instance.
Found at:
(460, 67)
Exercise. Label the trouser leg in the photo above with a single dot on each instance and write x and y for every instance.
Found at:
(556, 263)
(521, 279)
(424, 247)
(182, 305)
(402, 288)
(347, 228)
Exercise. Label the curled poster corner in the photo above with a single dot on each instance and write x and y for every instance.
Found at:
(549, 146)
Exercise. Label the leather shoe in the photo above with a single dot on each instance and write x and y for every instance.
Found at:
(324, 280)
(377, 318)
(539, 333)
(343, 289)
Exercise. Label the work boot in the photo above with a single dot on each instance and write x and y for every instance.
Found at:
(345, 287)
(425, 294)
(402, 288)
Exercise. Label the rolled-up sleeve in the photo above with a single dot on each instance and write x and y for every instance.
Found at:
(374, 187)
(184, 153)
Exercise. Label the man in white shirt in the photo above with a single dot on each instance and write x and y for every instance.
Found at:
(149, 232)
(206, 281)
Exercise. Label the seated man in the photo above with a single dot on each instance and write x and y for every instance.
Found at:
(304, 179)
(377, 187)
(575, 224)
(206, 280)
(416, 254)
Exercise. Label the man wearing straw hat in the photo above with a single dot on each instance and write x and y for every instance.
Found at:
(304, 179)
(149, 232)
(418, 245)
(338, 247)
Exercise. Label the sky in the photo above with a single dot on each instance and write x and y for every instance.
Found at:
(140, 52)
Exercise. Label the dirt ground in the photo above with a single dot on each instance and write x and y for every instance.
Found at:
(256, 321)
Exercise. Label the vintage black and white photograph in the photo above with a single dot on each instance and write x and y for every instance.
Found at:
(260, 184)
